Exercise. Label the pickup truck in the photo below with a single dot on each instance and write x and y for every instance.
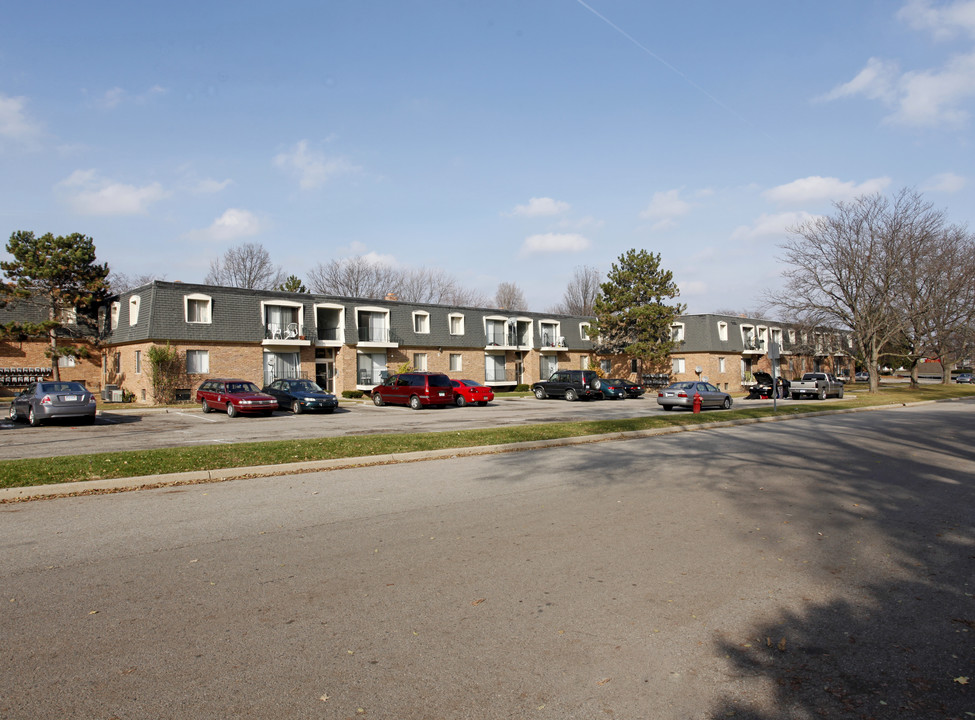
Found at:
(818, 385)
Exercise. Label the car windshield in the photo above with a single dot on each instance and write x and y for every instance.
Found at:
(306, 386)
(62, 387)
(242, 387)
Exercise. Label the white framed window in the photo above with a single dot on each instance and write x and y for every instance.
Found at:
(456, 362)
(197, 308)
(584, 331)
(134, 303)
(283, 319)
(677, 332)
(548, 365)
(420, 362)
(551, 333)
(720, 364)
(66, 361)
(677, 365)
(605, 365)
(723, 331)
(197, 362)
(792, 337)
(116, 307)
(138, 362)
(456, 323)
(421, 323)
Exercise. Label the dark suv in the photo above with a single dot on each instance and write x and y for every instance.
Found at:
(416, 389)
(570, 384)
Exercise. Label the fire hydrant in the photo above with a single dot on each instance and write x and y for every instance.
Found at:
(697, 402)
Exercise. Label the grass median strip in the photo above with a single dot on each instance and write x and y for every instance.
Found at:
(44, 471)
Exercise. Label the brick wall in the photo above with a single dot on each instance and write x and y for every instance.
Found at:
(16, 354)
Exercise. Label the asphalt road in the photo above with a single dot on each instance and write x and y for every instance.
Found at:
(125, 429)
(820, 567)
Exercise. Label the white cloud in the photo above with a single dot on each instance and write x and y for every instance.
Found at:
(233, 224)
(115, 96)
(922, 98)
(14, 122)
(815, 189)
(666, 206)
(944, 22)
(209, 186)
(932, 98)
(945, 182)
(770, 225)
(554, 242)
(877, 81)
(692, 287)
(90, 194)
(541, 207)
(313, 169)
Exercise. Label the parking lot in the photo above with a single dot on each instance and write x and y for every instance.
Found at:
(119, 428)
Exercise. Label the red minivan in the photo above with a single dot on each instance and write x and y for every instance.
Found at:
(416, 389)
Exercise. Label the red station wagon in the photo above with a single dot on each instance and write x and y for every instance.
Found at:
(234, 396)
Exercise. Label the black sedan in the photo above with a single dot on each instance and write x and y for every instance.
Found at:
(56, 399)
(632, 389)
(301, 396)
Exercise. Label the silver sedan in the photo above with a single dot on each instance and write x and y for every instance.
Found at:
(53, 399)
(681, 394)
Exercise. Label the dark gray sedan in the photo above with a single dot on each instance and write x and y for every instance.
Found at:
(301, 396)
(53, 399)
(681, 394)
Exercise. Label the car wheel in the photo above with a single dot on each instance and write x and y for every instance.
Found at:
(206, 407)
(540, 393)
(415, 403)
(377, 400)
(727, 403)
(460, 401)
(571, 395)
(13, 413)
(32, 418)
(231, 410)
(296, 407)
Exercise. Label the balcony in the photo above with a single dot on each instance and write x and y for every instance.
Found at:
(329, 336)
(286, 334)
(377, 337)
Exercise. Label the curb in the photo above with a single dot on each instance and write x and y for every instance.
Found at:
(197, 477)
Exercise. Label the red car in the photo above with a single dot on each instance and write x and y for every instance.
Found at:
(471, 391)
(234, 396)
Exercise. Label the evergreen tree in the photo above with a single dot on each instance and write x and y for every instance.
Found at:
(293, 284)
(632, 311)
(59, 273)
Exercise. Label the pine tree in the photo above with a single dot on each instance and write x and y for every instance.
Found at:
(59, 273)
(632, 311)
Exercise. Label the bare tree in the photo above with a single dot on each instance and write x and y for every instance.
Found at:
(581, 292)
(354, 277)
(845, 269)
(510, 297)
(119, 282)
(246, 266)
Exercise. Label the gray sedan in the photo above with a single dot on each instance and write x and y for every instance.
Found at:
(54, 399)
(681, 394)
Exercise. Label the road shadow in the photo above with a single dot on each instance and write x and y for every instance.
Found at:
(887, 537)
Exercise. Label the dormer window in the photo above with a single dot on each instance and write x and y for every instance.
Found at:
(115, 309)
(421, 323)
(584, 330)
(677, 332)
(134, 302)
(197, 308)
(456, 323)
(723, 331)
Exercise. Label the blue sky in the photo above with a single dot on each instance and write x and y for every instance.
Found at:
(503, 141)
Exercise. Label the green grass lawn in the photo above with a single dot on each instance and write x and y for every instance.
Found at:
(43, 471)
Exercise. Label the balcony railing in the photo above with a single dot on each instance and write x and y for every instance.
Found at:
(372, 377)
(376, 335)
(284, 331)
(329, 333)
